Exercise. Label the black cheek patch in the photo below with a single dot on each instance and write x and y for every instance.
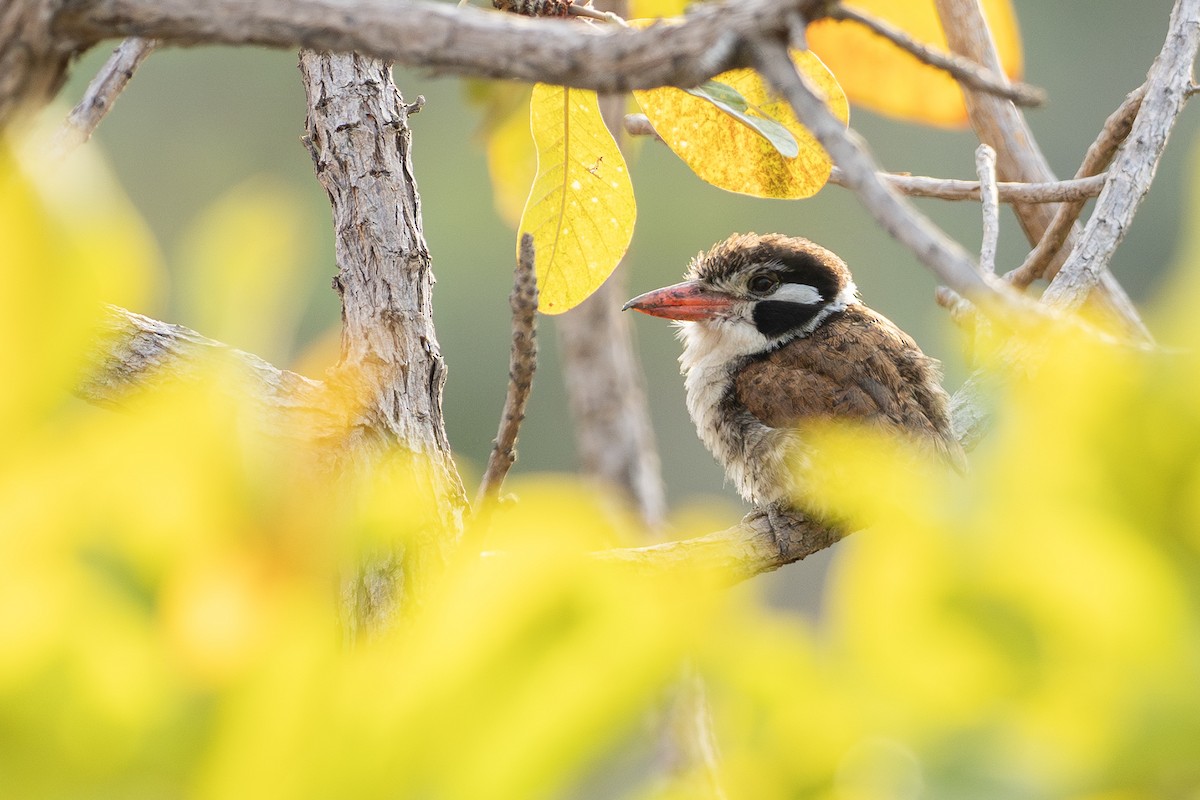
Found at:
(803, 268)
(774, 318)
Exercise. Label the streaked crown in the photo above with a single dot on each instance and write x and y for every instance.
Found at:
(793, 282)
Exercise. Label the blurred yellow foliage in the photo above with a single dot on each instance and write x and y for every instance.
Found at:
(880, 76)
(504, 134)
(580, 209)
(169, 586)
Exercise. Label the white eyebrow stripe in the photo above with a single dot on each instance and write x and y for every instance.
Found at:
(800, 293)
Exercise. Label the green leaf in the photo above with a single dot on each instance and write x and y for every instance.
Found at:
(730, 100)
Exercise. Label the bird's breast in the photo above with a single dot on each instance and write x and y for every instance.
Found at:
(754, 455)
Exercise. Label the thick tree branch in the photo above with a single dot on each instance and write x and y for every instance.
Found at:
(391, 371)
(1167, 88)
(135, 354)
(442, 37)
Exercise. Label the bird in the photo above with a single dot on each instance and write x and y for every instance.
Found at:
(775, 336)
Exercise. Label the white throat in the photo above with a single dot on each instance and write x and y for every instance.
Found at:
(711, 349)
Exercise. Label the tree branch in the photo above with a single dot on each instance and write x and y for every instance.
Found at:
(1098, 156)
(1080, 188)
(521, 365)
(136, 354)
(762, 542)
(101, 93)
(944, 257)
(985, 165)
(444, 38)
(390, 374)
(966, 71)
(997, 122)
(954, 189)
(1167, 87)
(605, 387)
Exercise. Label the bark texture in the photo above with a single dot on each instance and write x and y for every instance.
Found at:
(391, 374)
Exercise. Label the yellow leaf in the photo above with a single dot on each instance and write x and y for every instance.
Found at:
(657, 8)
(730, 155)
(581, 208)
(237, 266)
(880, 76)
(71, 241)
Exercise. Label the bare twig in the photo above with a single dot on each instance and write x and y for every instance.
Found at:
(1000, 124)
(762, 542)
(941, 188)
(966, 71)
(1115, 130)
(1134, 166)
(953, 189)
(985, 167)
(588, 12)
(639, 125)
(101, 93)
(962, 313)
(522, 363)
(944, 257)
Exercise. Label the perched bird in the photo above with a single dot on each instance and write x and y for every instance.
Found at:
(774, 335)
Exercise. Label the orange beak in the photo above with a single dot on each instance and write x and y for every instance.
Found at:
(687, 301)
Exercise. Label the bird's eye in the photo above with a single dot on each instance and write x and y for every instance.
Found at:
(764, 283)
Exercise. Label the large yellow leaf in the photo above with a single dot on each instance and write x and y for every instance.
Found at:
(880, 76)
(581, 208)
(727, 153)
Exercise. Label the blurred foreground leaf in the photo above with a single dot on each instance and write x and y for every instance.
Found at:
(169, 584)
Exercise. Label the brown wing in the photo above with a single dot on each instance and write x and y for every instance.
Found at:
(857, 365)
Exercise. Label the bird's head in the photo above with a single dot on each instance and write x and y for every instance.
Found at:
(760, 290)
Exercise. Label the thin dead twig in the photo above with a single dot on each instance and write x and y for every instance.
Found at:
(1098, 156)
(989, 196)
(1001, 124)
(521, 366)
(965, 70)
(940, 188)
(1133, 167)
(101, 93)
(943, 256)
(1008, 192)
